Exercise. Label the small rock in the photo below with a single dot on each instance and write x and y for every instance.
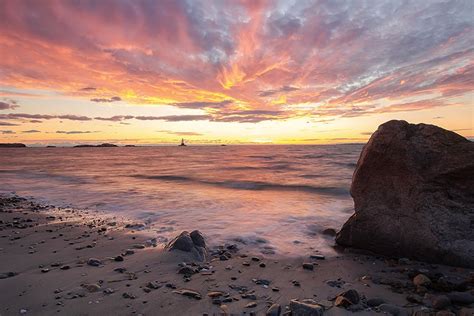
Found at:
(94, 262)
(305, 309)
(153, 285)
(109, 291)
(440, 301)
(138, 246)
(251, 305)
(91, 287)
(317, 257)
(118, 259)
(262, 265)
(187, 270)
(45, 270)
(274, 310)
(308, 266)
(351, 295)
(190, 293)
(421, 280)
(215, 294)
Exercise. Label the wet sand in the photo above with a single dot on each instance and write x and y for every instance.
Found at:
(48, 267)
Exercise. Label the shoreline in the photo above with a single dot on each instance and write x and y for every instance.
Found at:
(46, 269)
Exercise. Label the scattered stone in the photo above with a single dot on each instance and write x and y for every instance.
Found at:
(45, 270)
(120, 270)
(251, 305)
(256, 259)
(109, 291)
(317, 257)
(308, 266)
(153, 285)
(347, 298)
(274, 310)
(215, 294)
(262, 265)
(65, 267)
(190, 293)
(91, 287)
(129, 295)
(187, 270)
(421, 280)
(305, 309)
(118, 259)
(94, 262)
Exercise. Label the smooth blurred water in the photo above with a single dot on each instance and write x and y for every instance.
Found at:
(267, 197)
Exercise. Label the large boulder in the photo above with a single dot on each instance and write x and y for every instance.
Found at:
(413, 191)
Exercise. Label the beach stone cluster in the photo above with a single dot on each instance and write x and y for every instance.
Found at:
(413, 191)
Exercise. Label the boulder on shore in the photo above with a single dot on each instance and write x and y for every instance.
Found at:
(193, 243)
(413, 191)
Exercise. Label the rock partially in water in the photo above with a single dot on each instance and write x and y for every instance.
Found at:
(413, 191)
(193, 243)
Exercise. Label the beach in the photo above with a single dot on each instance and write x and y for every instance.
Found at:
(65, 261)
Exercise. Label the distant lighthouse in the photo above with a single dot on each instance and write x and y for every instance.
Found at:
(182, 142)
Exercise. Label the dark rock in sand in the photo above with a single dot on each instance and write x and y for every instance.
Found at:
(308, 266)
(462, 298)
(329, 232)
(413, 191)
(193, 243)
(440, 301)
(94, 262)
(347, 298)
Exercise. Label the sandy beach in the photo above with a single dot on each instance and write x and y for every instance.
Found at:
(73, 262)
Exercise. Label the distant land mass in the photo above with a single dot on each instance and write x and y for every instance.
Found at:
(101, 145)
(12, 145)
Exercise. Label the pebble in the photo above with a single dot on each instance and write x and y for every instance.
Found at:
(262, 265)
(94, 262)
(317, 257)
(308, 266)
(305, 308)
(421, 280)
(274, 310)
(251, 305)
(440, 301)
(374, 302)
(190, 293)
(118, 259)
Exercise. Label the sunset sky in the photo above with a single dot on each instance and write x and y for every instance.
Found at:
(309, 72)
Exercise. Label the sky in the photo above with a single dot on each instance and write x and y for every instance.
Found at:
(230, 71)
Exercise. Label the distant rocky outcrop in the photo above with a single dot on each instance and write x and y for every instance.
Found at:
(413, 191)
(101, 145)
(12, 145)
(193, 243)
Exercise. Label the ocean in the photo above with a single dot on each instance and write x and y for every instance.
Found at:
(273, 199)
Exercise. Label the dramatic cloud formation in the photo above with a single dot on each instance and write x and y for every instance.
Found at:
(239, 61)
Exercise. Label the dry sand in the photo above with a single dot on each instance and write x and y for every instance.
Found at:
(44, 270)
